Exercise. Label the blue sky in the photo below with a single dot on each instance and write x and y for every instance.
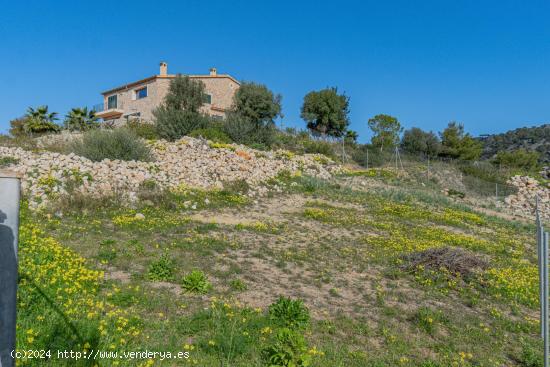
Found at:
(483, 63)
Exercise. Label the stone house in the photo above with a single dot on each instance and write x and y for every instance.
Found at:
(139, 99)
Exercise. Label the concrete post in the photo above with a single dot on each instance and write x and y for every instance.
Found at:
(10, 189)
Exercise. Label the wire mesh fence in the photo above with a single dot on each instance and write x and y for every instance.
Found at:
(478, 178)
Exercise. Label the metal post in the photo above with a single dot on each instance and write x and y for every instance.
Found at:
(545, 255)
(540, 240)
(10, 188)
(367, 158)
(496, 191)
(428, 167)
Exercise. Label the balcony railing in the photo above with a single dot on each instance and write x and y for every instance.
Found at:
(98, 107)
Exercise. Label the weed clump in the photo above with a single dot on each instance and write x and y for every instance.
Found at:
(289, 313)
(196, 282)
(162, 269)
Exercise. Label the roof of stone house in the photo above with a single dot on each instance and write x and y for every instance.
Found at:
(168, 76)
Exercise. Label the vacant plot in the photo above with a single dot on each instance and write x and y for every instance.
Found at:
(370, 275)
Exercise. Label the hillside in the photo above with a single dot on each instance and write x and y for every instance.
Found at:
(380, 267)
(531, 138)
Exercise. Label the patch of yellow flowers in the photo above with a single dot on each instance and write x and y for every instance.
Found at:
(55, 282)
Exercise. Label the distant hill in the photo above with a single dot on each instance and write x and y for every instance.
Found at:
(530, 138)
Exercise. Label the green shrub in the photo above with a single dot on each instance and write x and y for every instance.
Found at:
(318, 146)
(196, 282)
(289, 349)
(142, 129)
(172, 124)
(212, 134)
(162, 269)
(427, 320)
(238, 285)
(7, 161)
(237, 186)
(122, 144)
(179, 113)
(520, 159)
(244, 131)
(289, 313)
(530, 357)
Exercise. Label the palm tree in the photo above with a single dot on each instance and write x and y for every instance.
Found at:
(351, 136)
(40, 120)
(80, 119)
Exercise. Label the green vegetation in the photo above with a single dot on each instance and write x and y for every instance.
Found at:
(161, 269)
(289, 313)
(122, 144)
(80, 119)
(423, 280)
(326, 112)
(180, 112)
(251, 120)
(196, 282)
(386, 131)
(520, 159)
(418, 142)
(38, 121)
(7, 161)
(455, 143)
(143, 129)
(212, 133)
(536, 138)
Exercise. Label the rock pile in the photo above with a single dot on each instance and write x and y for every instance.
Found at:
(523, 202)
(188, 161)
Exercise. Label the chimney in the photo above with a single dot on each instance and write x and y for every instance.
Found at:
(213, 71)
(163, 68)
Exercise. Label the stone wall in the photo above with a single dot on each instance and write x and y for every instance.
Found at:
(188, 161)
(524, 201)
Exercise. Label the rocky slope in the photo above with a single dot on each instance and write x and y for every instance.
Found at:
(191, 162)
(524, 201)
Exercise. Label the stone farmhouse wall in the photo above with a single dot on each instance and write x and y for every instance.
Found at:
(220, 88)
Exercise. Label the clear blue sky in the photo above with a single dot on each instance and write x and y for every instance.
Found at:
(483, 63)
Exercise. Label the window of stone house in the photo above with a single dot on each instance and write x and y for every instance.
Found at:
(208, 98)
(141, 93)
(112, 102)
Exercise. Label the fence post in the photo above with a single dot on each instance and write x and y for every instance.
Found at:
(540, 239)
(428, 167)
(546, 341)
(10, 188)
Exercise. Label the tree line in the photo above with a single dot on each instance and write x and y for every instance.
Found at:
(251, 121)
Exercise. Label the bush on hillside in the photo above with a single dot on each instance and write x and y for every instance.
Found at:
(318, 146)
(211, 133)
(244, 131)
(122, 144)
(180, 113)
(418, 142)
(17, 127)
(145, 130)
(456, 143)
(521, 159)
(172, 124)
